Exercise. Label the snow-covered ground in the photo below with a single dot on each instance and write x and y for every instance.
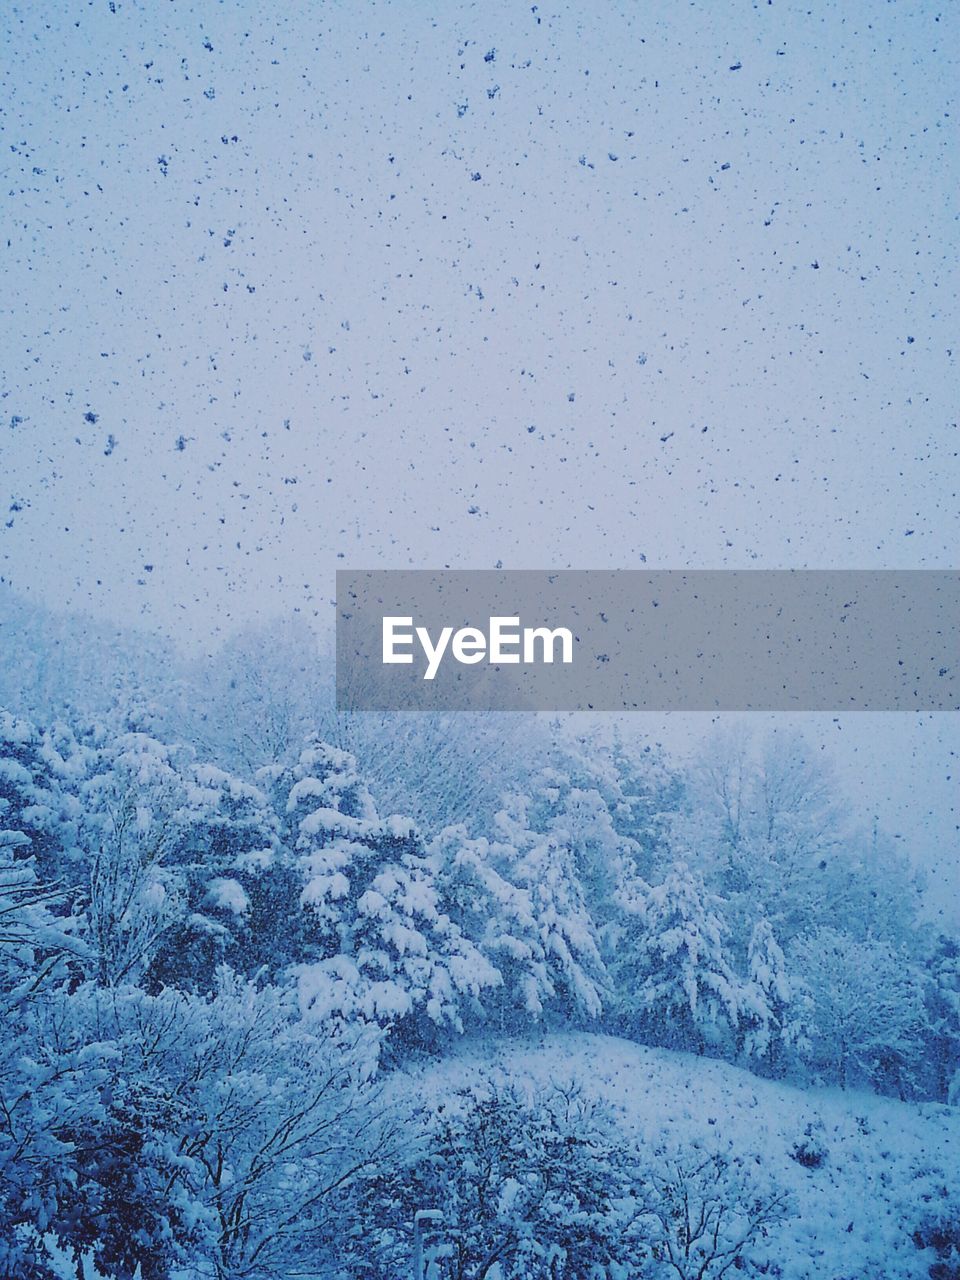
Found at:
(854, 1214)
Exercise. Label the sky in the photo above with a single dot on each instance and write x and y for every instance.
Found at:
(292, 288)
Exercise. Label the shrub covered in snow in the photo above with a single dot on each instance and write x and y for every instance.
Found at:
(532, 1185)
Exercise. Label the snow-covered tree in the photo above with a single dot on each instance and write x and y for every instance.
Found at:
(475, 892)
(177, 1133)
(944, 1018)
(764, 999)
(35, 799)
(766, 828)
(611, 803)
(179, 864)
(239, 884)
(674, 980)
(254, 702)
(707, 1211)
(561, 971)
(39, 949)
(521, 904)
(860, 1012)
(375, 942)
(134, 809)
(532, 1185)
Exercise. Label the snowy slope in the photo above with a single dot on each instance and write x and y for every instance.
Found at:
(853, 1215)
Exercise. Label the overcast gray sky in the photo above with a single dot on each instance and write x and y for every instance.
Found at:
(291, 288)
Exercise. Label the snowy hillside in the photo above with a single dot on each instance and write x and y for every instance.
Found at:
(883, 1163)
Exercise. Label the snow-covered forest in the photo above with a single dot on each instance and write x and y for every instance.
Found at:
(275, 980)
(298, 293)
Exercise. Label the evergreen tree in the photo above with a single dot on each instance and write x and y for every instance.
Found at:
(765, 999)
(375, 942)
(239, 885)
(570, 975)
(675, 982)
(611, 804)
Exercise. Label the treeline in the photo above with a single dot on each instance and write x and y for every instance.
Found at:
(729, 912)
